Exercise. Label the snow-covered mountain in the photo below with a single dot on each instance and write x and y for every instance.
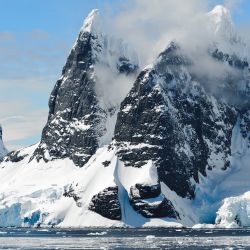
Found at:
(82, 112)
(3, 150)
(222, 23)
(164, 149)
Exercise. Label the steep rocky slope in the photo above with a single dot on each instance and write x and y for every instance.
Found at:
(175, 123)
(80, 118)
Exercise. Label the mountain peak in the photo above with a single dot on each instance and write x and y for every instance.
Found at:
(220, 10)
(222, 24)
(90, 21)
(220, 15)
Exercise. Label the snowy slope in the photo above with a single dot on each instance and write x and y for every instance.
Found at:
(225, 36)
(222, 23)
(32, 196)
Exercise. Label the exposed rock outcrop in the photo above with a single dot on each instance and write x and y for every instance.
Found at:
(149, 202)
(106, 203)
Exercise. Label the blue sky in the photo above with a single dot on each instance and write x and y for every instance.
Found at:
(240, 9)
(35, 39)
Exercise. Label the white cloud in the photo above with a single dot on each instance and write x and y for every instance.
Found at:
(149, 25)
(18, 129)
(118, 85)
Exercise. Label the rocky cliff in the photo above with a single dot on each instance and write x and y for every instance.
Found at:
(80, 118)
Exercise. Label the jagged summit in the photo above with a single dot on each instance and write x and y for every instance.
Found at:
(90, 21)
(220, 11)
(222, 24)
(220, 14)
(172, 55)
(3, 150)
(83, 105)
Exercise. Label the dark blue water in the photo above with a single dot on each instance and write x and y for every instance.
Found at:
(161, 238)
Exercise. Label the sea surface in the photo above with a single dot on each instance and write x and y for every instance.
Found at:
(160, 238)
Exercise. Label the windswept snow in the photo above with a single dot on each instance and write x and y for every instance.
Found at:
(90, 21)
(221, 20)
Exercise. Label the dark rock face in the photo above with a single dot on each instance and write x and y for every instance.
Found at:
(244, 122)
(145, 191)
(169, 118)
(142, 200)
(232, 60)
(70, 192)
(157, 209)
(77, 118)
(125, 66)
(106, 163)
(74, 113)
(15, 156)
(106, 203)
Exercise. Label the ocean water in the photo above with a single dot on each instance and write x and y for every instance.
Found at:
(161, 238)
